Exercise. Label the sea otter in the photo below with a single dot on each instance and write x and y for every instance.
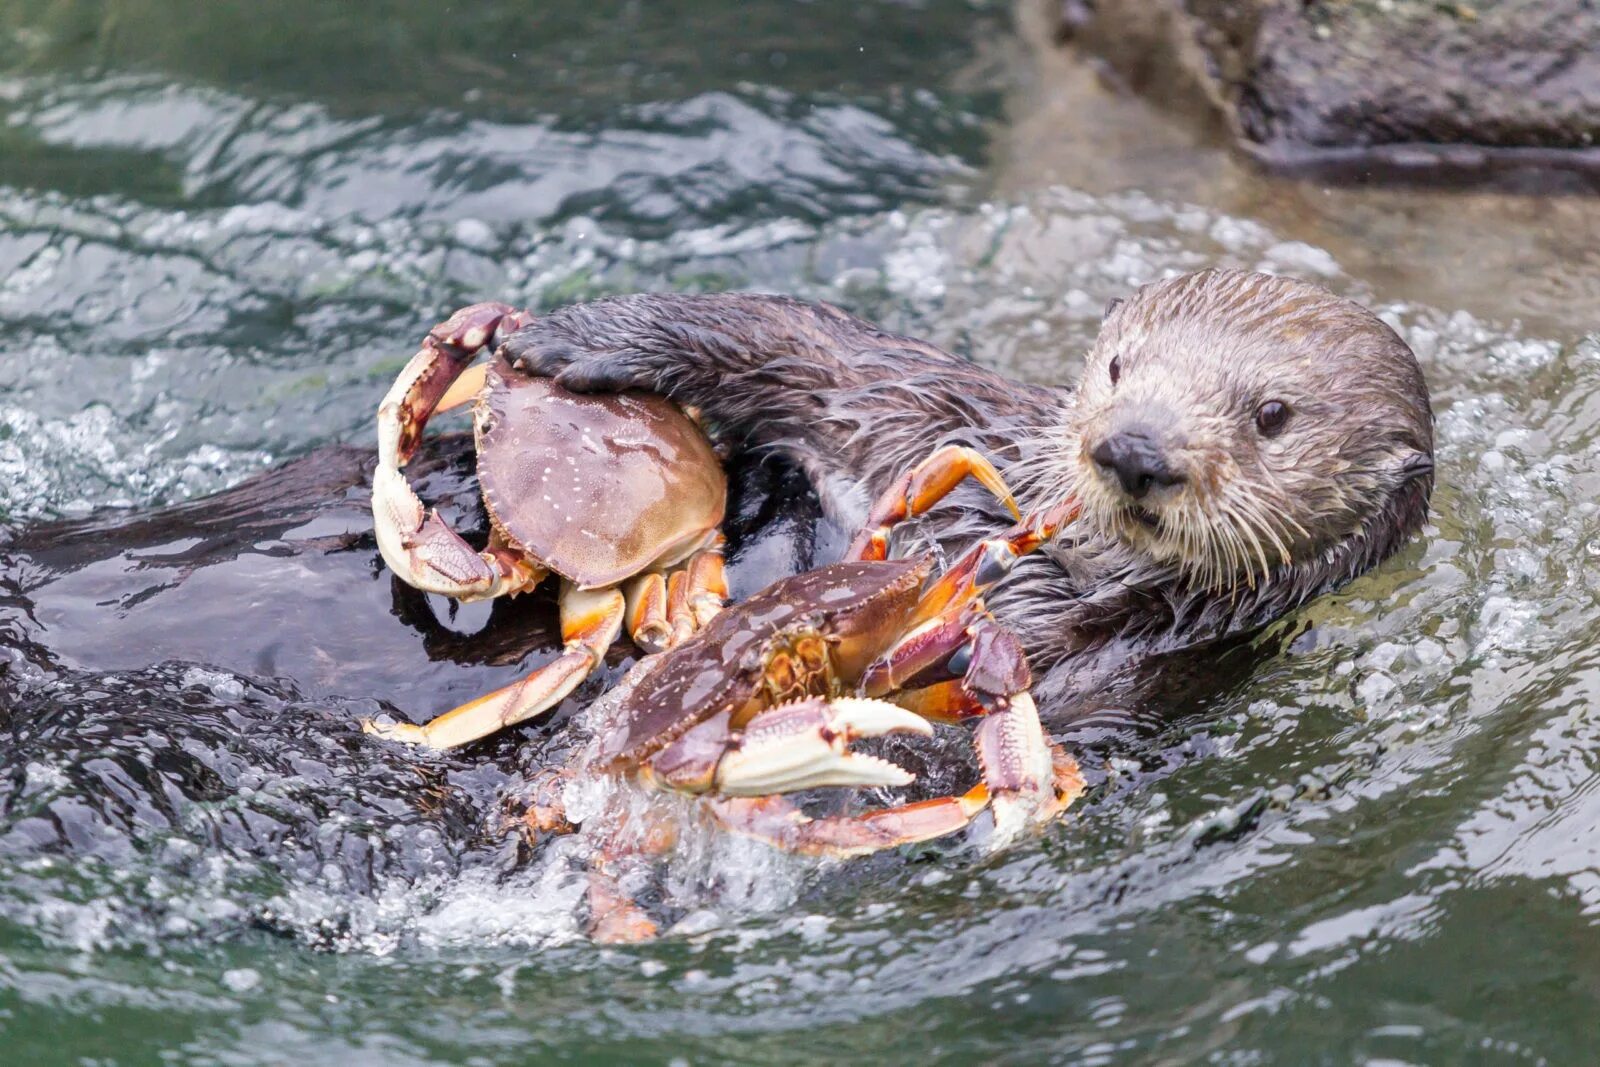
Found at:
(1240, 443)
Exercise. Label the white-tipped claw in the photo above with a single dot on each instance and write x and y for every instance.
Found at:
(420, 548)
(1014, 814)
(1030, 780)
(865, 717)
(802, 765)
(806, 745)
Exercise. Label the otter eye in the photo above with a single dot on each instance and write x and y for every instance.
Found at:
(1116, 369)
(1271, 417)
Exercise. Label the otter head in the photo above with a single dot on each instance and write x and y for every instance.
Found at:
(1229, 424)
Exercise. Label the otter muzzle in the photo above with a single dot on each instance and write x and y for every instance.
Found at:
(1138, 460)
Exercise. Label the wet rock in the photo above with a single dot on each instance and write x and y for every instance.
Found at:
(1506, 87)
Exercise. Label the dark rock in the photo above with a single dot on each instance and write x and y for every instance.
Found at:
(1458, 87)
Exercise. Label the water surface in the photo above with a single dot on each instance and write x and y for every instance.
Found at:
(1369, 835)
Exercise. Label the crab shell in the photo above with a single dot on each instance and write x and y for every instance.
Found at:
(835, 620)
(595, 487)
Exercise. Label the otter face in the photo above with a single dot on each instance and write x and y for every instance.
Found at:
(1231, 423)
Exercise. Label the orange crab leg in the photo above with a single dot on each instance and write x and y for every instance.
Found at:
(679, 617)
(590, 622)
(946, 702)
(985, 563)
(664, 610)
(777, 821)
(695, 594)
(647, 612)
(919, 489)
(615, 918)
(706, 583)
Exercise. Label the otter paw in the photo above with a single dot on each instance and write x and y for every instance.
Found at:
(574, 368)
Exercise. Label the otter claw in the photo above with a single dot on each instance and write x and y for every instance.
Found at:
(806, 744)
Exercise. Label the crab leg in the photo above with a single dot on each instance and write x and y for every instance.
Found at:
(416, 543)
(696, 593)
(615, 918)
(647, 621)
(992, 671)
(946, 702)
(919, 489)
(590, 622)
(664, 610)
(778, 822)
(705, 583)
(982, 566)
(936, 643)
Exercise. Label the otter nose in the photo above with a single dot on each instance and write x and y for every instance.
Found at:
(1137, 461)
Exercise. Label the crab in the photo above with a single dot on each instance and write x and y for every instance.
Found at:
(769, 697)
(619, 496)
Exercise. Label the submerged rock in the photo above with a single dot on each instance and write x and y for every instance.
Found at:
(1414, 85)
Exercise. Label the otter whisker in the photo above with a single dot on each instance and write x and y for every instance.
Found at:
(1272, 528)
(1245, 524)
(1263, 526)
(1237, 556)
(1227, 536)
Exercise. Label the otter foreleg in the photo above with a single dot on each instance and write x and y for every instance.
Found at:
(853, 405)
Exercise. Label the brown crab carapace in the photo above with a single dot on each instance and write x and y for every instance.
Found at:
(619, 496)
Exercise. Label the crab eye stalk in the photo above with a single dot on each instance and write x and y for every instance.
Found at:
(1272, 417)
(1116, 369)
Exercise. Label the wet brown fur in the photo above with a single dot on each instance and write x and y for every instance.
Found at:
(1341, 489)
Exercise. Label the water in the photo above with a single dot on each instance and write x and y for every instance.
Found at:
(1367, 835)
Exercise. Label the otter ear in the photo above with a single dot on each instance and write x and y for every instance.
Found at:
(1111, 307)
(1415, 465)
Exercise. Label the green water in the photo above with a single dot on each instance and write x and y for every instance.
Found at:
(222, 229)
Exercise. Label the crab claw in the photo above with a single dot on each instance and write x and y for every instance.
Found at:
(1030, 781)
(417, 545)
(420, 547)
(424, 384)
(800, 745)
(806, 744)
